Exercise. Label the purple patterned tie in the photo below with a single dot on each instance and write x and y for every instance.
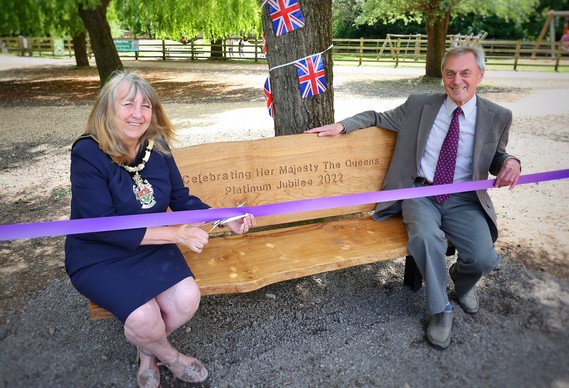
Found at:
(444, 173)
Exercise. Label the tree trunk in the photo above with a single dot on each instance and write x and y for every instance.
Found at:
(292, 113)
(80, 49)
(106, 55)
(217, 49)
(437, 28)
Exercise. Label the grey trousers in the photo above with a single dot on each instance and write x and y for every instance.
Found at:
(462, 220)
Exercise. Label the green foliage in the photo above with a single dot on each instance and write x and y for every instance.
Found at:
(502, 19)
(41, 18)
(517, 11)
(495, 27)
(415, 10)
(18, 17)
(156, 18)
(176, 19)
(535, 23)
(60, 18)
(345, 25)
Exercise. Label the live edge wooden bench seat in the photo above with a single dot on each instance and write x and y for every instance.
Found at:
(293, 245)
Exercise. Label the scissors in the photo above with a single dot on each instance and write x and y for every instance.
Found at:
(224, 221)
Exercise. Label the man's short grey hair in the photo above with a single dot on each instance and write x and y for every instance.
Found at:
(477, 51)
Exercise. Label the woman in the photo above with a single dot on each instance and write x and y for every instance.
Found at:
(122, 165)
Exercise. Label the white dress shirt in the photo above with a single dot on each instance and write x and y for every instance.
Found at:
(467, 123)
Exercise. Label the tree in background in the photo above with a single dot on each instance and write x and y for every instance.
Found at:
(344, 23)
(94, 16)
(63, 17)
(292, 112)
(215, 19)
(511, 28)
(60, 18)
(436, 15)
(174, 19)
(51, 17)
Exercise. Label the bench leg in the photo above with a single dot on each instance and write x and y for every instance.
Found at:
(412, 277)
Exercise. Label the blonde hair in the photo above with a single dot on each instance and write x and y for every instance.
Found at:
(102, 123)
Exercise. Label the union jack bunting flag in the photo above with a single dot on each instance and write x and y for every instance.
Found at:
(286, 15)
(311, 75)
(269, 97)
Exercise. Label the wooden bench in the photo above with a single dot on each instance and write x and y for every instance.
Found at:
(282, 247)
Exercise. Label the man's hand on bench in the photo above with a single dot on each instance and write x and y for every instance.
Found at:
(327, 130)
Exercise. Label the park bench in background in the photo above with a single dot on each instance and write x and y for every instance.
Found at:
(293, 245)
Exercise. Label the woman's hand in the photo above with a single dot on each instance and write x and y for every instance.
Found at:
(242, 225)
(192, 236)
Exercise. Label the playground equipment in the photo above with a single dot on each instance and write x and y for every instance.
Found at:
(550, 21)
(404, 45)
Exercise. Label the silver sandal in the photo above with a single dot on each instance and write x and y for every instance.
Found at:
(194, 372)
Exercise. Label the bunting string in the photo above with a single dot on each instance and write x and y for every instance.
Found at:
(294, 62)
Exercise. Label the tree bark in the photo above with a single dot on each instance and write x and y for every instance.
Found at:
(106, 55)
(292, 113)
(80, 49)
(437, 29)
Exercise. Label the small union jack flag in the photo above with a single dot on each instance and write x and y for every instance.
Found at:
(311, 75)
(286, 15)
(269, 97)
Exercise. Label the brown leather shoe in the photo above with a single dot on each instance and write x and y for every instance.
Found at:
(468, 301)
(440, 327)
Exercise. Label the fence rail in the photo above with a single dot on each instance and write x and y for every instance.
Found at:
(396, 49)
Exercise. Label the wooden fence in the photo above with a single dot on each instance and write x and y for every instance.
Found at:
(396, 49)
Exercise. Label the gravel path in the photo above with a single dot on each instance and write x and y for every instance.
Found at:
(355, 327)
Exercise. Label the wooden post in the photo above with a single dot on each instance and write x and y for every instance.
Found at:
(558, 56)
(543, 32)
(552, 36)
(361, 50)
(398, 49)
(517, 54)
(417, 47)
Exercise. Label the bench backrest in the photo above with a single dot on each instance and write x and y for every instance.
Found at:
(288, 168)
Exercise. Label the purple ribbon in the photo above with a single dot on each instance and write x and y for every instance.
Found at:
(90, 225)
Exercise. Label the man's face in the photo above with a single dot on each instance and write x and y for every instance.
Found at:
(461, 76)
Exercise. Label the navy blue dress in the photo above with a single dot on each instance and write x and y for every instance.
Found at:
(111, 268)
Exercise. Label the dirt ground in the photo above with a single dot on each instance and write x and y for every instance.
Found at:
(44, 105)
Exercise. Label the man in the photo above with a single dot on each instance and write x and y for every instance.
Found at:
(467, 220)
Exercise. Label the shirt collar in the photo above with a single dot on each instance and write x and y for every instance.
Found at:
(467, 108)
